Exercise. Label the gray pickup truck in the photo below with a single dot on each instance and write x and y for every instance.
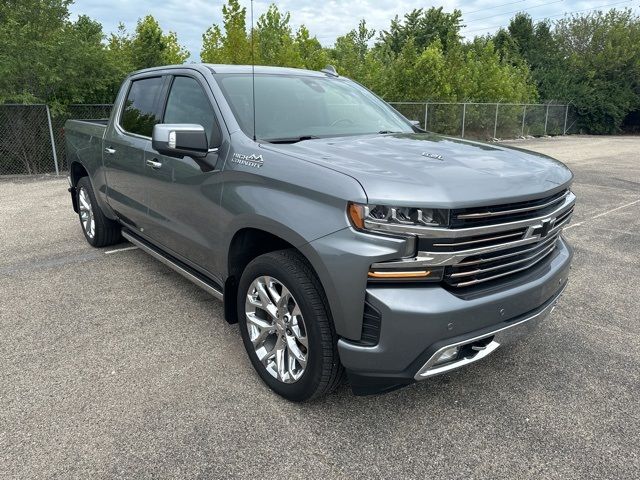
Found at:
(341, 237)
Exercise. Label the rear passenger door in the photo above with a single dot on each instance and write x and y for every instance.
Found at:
(126, 139)
(184, 193)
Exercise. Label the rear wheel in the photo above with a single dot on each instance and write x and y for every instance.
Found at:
(285, 326)
(99, 230)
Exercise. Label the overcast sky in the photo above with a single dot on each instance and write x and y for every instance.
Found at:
(325, 19)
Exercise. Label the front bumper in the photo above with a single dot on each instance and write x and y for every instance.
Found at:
(419, 322)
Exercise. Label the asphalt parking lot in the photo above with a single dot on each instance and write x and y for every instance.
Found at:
(113, 366)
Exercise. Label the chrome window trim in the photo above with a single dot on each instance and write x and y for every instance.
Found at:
(118, 113)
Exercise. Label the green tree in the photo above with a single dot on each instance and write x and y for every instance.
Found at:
(591, 60)
(150, 47)
(231, 44)
(212, 47)
(602, 52)
(312, 55)
(424, 27)
(351, 53)
(31, 33)
(275, 42)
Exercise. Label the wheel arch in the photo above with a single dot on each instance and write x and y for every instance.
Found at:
(246, 244)
(76, 171)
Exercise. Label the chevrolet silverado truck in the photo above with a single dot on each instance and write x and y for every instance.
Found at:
(343, 239)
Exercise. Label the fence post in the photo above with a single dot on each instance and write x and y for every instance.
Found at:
(566, 114)
(546, 119)
(426, 113)
(495, 124)
(53, 142)
(464, 114)
(524, 114)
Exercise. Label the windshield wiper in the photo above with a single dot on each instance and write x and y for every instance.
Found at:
(382, 132)
(291, 139)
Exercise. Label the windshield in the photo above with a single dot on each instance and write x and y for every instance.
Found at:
(294, 107)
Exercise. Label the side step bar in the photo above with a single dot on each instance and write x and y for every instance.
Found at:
(182, 269)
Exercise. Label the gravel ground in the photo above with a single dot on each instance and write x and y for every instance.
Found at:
(113, 366)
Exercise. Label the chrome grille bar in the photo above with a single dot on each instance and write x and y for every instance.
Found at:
(512, 211)
(503, 274)
(503, 265)
(508, 255)
(480, 240)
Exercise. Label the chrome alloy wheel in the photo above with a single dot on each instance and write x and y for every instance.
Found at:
(86, 213)
(276, 329)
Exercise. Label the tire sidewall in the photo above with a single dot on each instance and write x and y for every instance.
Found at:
(86, 184)
(303, 388)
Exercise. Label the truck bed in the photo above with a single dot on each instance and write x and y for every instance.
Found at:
(84, 141)
(92, 128)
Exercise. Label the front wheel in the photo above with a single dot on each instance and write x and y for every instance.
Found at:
(286, 328)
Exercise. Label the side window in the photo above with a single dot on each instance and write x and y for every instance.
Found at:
(188, 103)
(139, 114)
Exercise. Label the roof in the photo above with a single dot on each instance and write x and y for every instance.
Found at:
(216, 68)
(219, 68)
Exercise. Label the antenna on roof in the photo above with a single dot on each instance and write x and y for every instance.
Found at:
(253, 76)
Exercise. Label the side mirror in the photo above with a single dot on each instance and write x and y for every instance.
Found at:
(415, 123)
(180, 139)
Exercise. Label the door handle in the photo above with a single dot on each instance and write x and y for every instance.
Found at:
(110, 150)
(153, 164)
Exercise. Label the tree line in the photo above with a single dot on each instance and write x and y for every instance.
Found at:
(591, 60)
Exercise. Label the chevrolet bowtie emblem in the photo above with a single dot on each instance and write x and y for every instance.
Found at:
(547, 224)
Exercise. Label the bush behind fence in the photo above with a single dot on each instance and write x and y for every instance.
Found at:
(32, 137)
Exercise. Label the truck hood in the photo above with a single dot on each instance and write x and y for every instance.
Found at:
(423, 169)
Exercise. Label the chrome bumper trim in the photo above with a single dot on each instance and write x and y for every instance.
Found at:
(503, 335)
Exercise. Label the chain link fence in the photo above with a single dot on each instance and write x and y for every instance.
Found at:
(32, 136)
(491, 121)
(26, 139)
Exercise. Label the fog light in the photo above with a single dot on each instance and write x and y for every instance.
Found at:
(448, 355)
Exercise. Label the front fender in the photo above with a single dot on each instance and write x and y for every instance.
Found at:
(341, 261)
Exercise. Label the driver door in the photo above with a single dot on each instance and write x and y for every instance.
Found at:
(183, 194)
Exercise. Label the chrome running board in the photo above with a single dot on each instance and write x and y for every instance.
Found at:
(180, 268)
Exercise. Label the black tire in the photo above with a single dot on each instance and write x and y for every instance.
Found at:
(106, 231)
(323, 371)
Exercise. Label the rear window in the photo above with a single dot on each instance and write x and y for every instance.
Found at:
(139, 114)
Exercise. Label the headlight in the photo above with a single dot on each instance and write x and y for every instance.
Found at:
(404, 221)
(400, 220)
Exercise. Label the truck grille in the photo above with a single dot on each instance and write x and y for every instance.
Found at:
(505, 260)
(488, 243)
(474, 217)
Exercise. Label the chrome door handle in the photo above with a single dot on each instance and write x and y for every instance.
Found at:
(110, 150)
(153, 164)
